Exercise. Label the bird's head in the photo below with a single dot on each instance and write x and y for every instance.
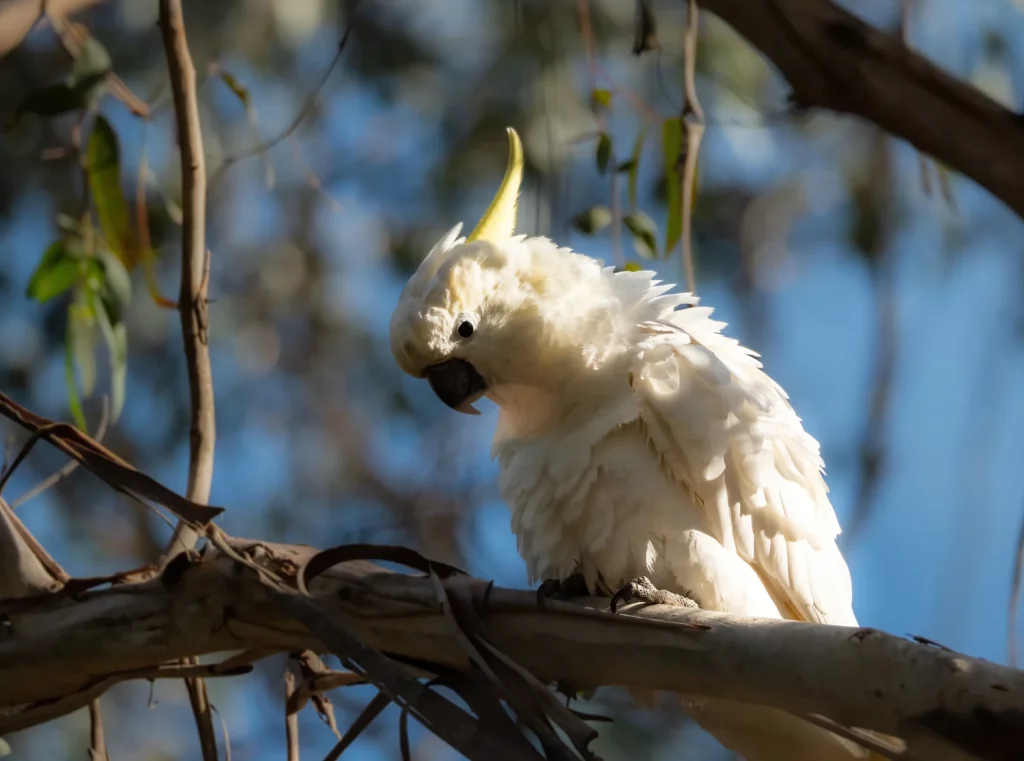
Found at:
(495, 313)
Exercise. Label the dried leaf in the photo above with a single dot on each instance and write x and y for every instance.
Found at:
(325, 559)
(104, 464)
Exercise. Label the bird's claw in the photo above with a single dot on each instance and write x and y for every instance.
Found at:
(643, 590)
(562, 589)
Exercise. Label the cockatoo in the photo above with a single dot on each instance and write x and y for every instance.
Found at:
(638, 445)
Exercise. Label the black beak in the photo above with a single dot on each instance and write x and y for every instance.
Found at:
(457, 384)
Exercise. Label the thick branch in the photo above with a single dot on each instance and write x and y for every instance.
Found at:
(834, 60)
(930, 697)
(192, 298)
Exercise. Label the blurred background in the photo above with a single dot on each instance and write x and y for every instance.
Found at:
(884, 293)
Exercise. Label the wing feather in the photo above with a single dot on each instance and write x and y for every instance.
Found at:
(727, 433)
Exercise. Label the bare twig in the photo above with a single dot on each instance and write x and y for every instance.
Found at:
(97, 742)
(52, 709)
(307, 107)
(192, 299)
(19, 17)
(201, 709)
(291, 718)
(692, 119)
(192, 306)
(1015, 584)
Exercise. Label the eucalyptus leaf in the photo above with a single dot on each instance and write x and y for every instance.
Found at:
(55, 273)
(672, 146)
(103, 166)
(603, 152)
(590, 221)
(645, 233)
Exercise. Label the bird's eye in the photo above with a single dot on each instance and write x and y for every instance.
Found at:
(465, 329)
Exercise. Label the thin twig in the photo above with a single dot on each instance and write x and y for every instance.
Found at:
(192, 299)
(307, 107)
(291, 718)
(68, 468)
(192, 305)
(97, 742)
(692, 119)
(52, 709)
(1015, 584)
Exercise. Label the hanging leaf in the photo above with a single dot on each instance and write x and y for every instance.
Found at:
(55, 273)
(645, 233)
(115, 335)
(81, 339)
(103, 166)
(590, 221)
(600, 100)
(604, 152)
(634, 165)
(672, 146)
(116, 289)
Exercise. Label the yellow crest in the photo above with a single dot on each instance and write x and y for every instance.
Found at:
(499, 221)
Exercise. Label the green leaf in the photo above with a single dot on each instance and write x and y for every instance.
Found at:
(634, 160)
(600, 100)
(74, 402)
(672, 145)
(604, 152)
(55, 273)
(82, 340)
(103, 166)
(590, 221)
(626, 166)
(116, 290)
(633, 267)
(115, 335)
(645, 233)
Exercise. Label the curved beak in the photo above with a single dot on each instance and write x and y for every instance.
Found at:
(457, 384)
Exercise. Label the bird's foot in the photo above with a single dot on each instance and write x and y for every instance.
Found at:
(643, 590)
(562, 589)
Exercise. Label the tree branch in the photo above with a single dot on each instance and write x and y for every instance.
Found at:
(192, 305)
(944, 705)
(834, 60)
(192, 299)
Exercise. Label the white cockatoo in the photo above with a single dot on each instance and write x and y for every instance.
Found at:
(639, 447)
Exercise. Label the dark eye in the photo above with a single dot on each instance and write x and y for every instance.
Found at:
(465, 329)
